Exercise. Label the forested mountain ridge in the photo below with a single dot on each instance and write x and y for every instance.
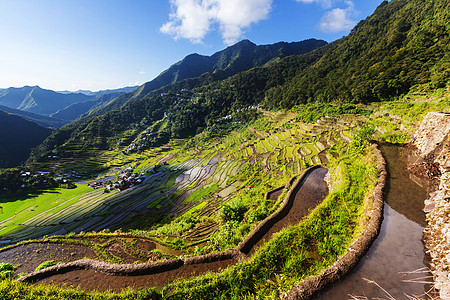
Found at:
(234, 59)
(17, 137)
(404, 44)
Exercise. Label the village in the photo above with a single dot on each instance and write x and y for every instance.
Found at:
(126, 179)
(152, 135)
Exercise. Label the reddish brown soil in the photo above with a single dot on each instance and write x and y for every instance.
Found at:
(117, 251)
(90, 280)
(141, 246)
(29, 256)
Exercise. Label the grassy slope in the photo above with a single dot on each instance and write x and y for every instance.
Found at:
(17, 210)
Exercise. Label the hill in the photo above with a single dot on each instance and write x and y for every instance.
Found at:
(75, 110)
(17, 137)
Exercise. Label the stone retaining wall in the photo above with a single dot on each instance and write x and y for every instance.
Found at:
(432, 139)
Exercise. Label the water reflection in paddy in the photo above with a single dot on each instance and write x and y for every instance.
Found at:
(398, 250)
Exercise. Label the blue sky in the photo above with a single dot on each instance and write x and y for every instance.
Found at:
(101, 44)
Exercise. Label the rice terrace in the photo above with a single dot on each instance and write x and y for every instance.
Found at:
(300, 170)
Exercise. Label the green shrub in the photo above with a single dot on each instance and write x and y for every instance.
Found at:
(234, 211)
(6, 267)
(6, 270)
(45, 264)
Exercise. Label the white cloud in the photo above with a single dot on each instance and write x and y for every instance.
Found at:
(193, 19)
(324, 3)
(338, 19)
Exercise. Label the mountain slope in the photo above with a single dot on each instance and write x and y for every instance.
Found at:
(404, 43)
(17, 137)
(44, 121)
(234, 59)
(187, 111)
(75, 110)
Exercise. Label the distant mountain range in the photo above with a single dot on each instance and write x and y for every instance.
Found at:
(60, 105)
(17, 137)
(37, 100)
(77, 109)
(101, 92)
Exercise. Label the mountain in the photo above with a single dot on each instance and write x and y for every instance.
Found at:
(119, 126)
(75, 110)
(44, 121)
(237, 58)
(60, 105)
(126, 89)
(17, 137)
(402, 46)
(37, 100)
(230, 61)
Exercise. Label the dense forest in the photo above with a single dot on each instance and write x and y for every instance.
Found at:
(402, 44)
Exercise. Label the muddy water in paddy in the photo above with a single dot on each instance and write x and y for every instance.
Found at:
(398, 249)
(29, 256)
(310, 193)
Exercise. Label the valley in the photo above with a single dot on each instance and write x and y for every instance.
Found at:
(301, 170)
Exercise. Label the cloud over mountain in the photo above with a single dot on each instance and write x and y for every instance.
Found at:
(339, 19)
(193, 19)
(335, 18)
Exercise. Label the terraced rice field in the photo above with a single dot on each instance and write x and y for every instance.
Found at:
(286, 151)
